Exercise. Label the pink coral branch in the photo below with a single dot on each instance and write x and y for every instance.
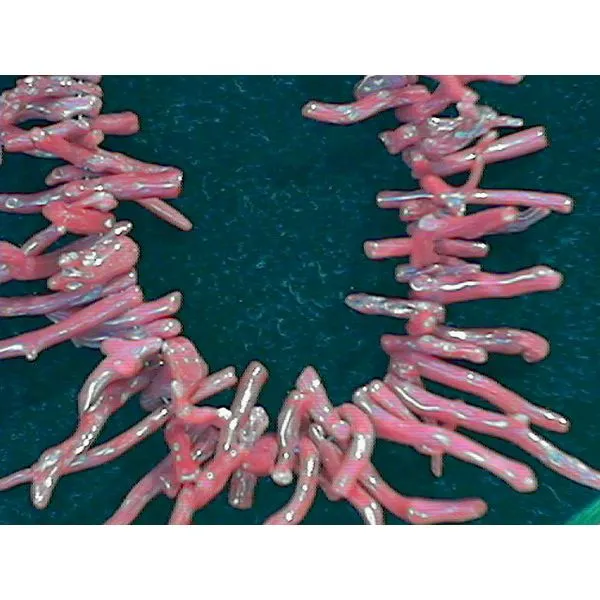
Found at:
(32, 343)
(297, 508)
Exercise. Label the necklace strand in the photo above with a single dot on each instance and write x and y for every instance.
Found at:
(95, 301)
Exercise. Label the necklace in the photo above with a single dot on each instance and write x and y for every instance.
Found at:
(322, 433)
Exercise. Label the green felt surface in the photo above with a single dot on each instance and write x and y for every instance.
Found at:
(281, 207)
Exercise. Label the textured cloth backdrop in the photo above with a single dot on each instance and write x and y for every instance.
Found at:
(281, 206)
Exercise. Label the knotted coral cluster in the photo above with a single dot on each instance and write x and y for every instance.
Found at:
(94, 301)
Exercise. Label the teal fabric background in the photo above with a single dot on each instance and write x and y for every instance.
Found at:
(281, 207)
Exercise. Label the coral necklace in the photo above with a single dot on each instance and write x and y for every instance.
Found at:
(94, 301)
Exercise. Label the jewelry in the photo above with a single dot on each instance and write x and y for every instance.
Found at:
(95, 302)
